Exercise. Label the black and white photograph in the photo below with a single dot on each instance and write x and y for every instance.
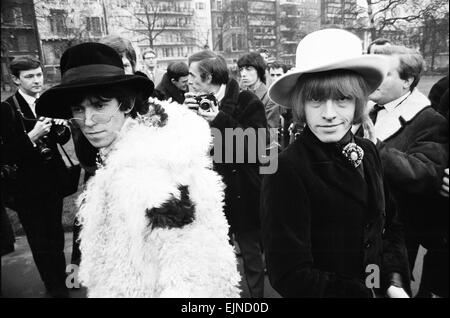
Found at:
(224, 153)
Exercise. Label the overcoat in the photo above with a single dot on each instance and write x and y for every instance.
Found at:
(240, 110)
(326, 226)
(414, 152)
(152, 216)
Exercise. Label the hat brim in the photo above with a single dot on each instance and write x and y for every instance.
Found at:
(371, 67)
(51, 102)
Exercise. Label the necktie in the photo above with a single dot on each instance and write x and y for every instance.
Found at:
(374, 112)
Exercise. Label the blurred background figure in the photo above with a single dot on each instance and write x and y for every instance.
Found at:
(150, 68)
(376, 44)
(125, 49)
(174, 83)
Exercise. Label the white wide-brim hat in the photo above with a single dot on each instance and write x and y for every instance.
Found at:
(326, 50)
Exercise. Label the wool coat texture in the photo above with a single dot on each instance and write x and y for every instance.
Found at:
(152, 216)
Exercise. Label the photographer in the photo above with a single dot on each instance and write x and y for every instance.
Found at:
(29, 142)
(208, 74)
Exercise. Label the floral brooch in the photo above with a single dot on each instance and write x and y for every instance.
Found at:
(353, 153)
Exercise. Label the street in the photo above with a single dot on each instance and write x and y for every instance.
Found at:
(20, 278)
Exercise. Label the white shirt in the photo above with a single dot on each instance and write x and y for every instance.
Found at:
(31, 101)
(389, 115)
(220, 93)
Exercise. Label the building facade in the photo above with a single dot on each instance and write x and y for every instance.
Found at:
(173, 29)
(297, 18)
(19, 35)
(64, 23)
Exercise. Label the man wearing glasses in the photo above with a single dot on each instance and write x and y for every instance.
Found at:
(150, 66)
(29, 142)
(151, 218)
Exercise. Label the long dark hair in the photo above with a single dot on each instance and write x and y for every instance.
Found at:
(131, 101)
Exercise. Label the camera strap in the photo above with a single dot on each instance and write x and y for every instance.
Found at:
(16, 103)
(65, 153)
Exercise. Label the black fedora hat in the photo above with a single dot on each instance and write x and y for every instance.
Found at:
(88, 65)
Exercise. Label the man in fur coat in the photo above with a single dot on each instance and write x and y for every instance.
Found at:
(152, 216)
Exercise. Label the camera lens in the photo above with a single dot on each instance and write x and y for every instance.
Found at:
(46, 153)
(205, 104)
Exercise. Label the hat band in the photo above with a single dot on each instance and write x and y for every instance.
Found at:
(81, 73)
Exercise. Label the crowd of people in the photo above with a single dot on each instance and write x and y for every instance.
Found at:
(168, 205)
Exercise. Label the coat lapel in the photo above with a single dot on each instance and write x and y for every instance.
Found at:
(374, 182)
(26, 111)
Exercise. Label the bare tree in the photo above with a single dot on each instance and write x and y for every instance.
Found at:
(150, 24)
(383, 14)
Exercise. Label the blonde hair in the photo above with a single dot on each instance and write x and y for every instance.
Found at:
(334, 84)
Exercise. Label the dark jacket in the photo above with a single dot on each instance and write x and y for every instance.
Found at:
(243, 181)
(436, 93)
(169, 90)
(36, 177)
(414, 156)
(323, 224)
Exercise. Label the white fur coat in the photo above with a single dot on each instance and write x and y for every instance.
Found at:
(122, 255)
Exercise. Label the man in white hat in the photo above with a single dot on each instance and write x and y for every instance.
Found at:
(328, 228)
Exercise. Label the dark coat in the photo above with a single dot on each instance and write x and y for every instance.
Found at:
(414, 159)
(169, 90)
(243, 181)
(323, 223)
(437, 92)
(36, 177)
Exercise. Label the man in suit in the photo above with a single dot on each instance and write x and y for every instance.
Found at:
(208, 74)
(412, 139)
(30, 143)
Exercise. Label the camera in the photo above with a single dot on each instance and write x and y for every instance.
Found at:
(57, 132)
(206, 101)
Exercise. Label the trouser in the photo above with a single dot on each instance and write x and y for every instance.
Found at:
(252, 256)
(435, 280)
(6, 234)
(41, 220)
(76, 252)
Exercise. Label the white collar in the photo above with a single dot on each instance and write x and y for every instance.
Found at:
(393, 104)
(409, 107)
(220, 93)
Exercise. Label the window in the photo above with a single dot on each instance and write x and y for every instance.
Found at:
(237, 42)
(236, 21)
(219, 22)
(22, 42)
(12, 16)
(94, 25)
(219, 5)
(218, 45)
(58, 21)
(199, 6)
